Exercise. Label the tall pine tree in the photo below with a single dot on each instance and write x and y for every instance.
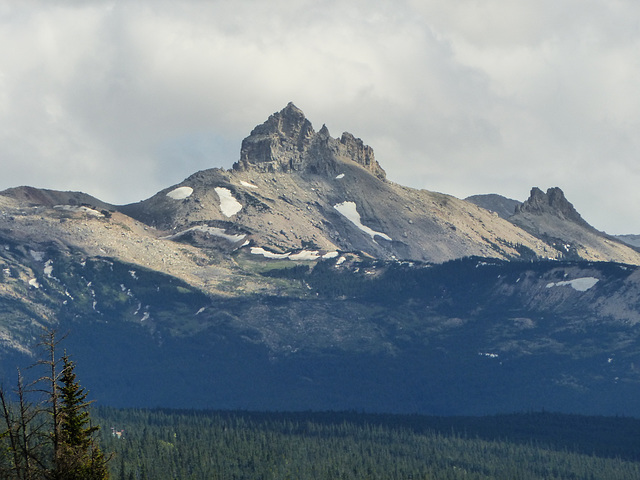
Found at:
(79, 456)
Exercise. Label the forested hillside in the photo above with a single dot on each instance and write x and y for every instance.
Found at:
(165, 444)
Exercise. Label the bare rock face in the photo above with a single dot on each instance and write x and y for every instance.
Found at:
(360, 153)
(279, 144)
(287, 142)
(553, 203)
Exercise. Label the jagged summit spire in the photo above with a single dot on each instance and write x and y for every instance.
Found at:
(288, 122)
(287, 142)
(324, 131)
(553, 202)
(292, 109)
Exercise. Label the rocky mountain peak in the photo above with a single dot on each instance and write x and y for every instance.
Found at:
(553, 202)
(287, 142)
(289, 123)
(278, 144)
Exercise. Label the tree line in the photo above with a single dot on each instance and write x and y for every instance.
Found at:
(171, 444)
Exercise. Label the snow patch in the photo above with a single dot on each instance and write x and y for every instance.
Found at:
(267, 253)
(82, 209)
(338, 177)
(180, 193)
(36, 255)
(330, 255)
(349, 210)
(34, 283)
(215, 231)
(228, 204)
(48, 268)
(247, 184)
(488, 354)
(341, 260)
(305, 255)
(579, 284)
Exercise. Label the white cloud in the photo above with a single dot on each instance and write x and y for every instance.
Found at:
(123, 99)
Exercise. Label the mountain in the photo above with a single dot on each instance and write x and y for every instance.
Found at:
(503, 206)
(629, 239)
(302, 278)
(553, 219)
(294, 189)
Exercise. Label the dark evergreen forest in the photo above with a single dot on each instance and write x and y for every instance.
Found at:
(172, 444)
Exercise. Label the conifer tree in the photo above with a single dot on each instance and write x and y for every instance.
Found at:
(79, 456)
(50, 438)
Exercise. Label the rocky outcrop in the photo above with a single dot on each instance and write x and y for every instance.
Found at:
(551, 203)
(287, 142)
(279, 144)
(552, 218)
(354, 149)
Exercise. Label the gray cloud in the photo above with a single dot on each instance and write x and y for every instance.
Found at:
(122, 99)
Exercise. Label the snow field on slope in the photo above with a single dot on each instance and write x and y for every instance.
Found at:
(180, 193)
(215, 231)
(228, 204)
(579, 284)
(309, 255)
(350, 212)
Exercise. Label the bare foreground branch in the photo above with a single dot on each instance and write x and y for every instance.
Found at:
(46, 432)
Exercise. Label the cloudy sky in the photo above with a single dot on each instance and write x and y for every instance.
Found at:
(122, 99)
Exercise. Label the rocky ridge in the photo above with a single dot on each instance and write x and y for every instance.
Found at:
(292, 187)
